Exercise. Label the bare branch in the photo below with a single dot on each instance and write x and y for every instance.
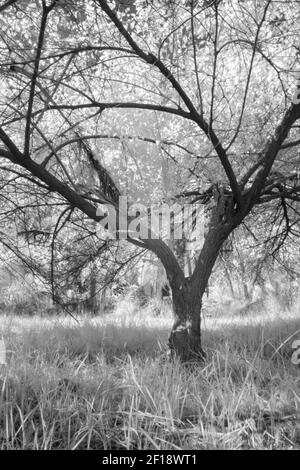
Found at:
(45, 13)
(7, 4)
(290, 144)
(195, 58)
(194, 115)
(271, 150)
(249, 75)
(81, 138)
(121, 105)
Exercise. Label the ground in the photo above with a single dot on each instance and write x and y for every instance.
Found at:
(107, 383)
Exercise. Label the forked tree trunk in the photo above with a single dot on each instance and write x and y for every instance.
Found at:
(185, 337)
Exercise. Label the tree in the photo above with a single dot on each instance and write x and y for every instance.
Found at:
(93, 59)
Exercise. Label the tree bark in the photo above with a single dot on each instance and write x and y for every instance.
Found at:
(93, 301)
(185, 337)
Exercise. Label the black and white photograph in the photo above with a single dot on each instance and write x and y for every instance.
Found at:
(149, 228)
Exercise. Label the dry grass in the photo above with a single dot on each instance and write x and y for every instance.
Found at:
(106, 383)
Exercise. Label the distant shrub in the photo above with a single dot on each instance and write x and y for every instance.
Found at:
(25, 298)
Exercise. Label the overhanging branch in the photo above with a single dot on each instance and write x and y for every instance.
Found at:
(271, 150)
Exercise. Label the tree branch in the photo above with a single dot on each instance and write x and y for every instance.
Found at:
(157, 246)
(290, 144)
(45, 13)
(194, 115)
(7, 4)
(121, 105)
(271, 151)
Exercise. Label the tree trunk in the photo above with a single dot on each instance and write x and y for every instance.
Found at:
(185, 337)
(92, 301)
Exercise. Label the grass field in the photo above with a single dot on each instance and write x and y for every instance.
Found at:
(107, 383)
